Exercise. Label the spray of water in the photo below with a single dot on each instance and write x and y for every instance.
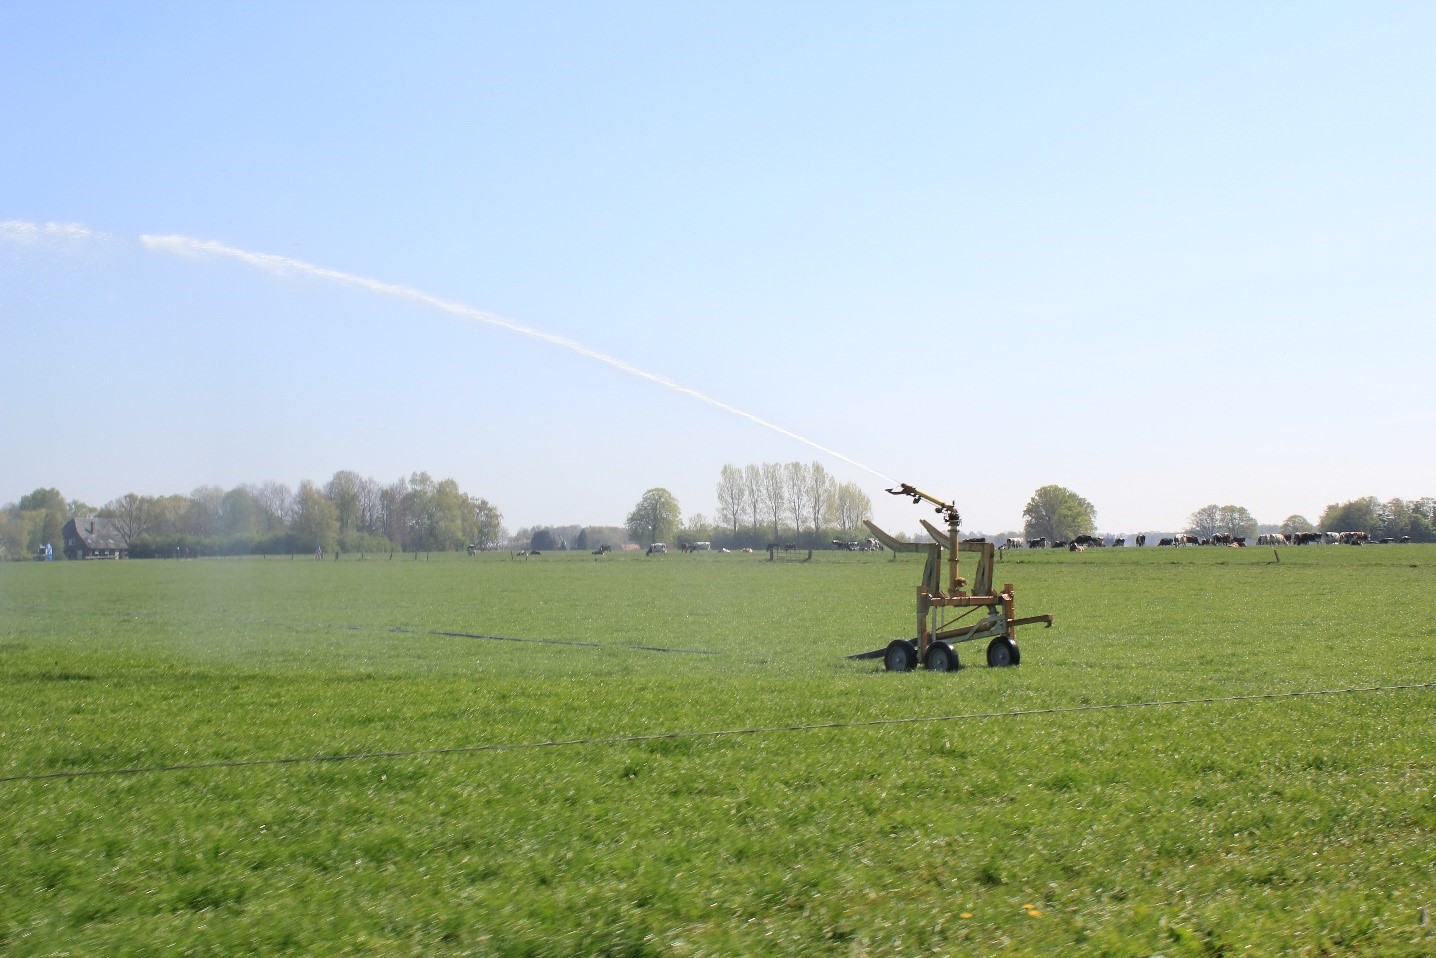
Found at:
(185, 246)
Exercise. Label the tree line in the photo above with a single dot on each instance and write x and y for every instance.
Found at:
(757, 503)
(793, 502)
(1059, 514)
(349, 513)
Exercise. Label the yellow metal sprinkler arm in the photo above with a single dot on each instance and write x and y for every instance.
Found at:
(947, 509)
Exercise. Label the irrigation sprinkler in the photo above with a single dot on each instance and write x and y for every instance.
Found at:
(941, 614)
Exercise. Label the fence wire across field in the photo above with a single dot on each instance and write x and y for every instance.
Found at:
(671, 736)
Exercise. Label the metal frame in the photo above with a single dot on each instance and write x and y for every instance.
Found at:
(933, 601)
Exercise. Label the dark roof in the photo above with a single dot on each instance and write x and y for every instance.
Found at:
(96, 533)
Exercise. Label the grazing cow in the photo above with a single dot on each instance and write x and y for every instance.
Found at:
(1186, 540)
(1167, 542)
(1119, 543)
(1038, 543)
(1060, 544)
(1272, 539)
(1086, 540)
(1142, 539)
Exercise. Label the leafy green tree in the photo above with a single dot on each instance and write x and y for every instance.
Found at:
(344, 491)
(1358, 515)
(485, 526)
(316, 524)
(1294, 524)
(1059, 514)
(1237, 521)
(12, 534)
(239, 513)
(655, 518)
(43, 515)
(42, 499)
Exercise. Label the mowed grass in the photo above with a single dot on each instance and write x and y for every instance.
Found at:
(1009, 817)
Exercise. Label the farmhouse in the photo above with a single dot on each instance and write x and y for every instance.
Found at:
(90, 537)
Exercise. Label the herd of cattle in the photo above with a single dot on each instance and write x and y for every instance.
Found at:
(1082, 543)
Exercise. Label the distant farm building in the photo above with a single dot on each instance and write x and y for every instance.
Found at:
(90, 537)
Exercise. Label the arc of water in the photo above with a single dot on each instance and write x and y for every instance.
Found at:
(187, 246)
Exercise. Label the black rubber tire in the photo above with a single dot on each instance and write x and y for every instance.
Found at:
(901, 655)
(1002, 652)
(941, 657)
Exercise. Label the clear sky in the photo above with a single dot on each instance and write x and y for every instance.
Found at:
(1162, 254)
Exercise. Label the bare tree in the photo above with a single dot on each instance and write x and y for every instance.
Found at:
(850, 506)
(753, 491)
(731, 497)
(276, 502)
(774, 494)
(131, 514)
(820, 495)
(796, 474)
(1206, 521)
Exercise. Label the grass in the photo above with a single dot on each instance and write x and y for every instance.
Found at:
(1299, 825)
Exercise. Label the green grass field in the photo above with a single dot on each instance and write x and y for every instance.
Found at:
(583, 809)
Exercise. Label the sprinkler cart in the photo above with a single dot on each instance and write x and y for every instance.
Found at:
(938, 631)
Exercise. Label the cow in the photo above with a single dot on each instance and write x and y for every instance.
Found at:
(1119, 542)
(1074, 547)
(1086, 540)
(1142, 539)
(1039, 543)
(1186, 540)
(1271, 539)
(1167, 542)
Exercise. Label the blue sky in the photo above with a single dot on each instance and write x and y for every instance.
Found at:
(1165, 255)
